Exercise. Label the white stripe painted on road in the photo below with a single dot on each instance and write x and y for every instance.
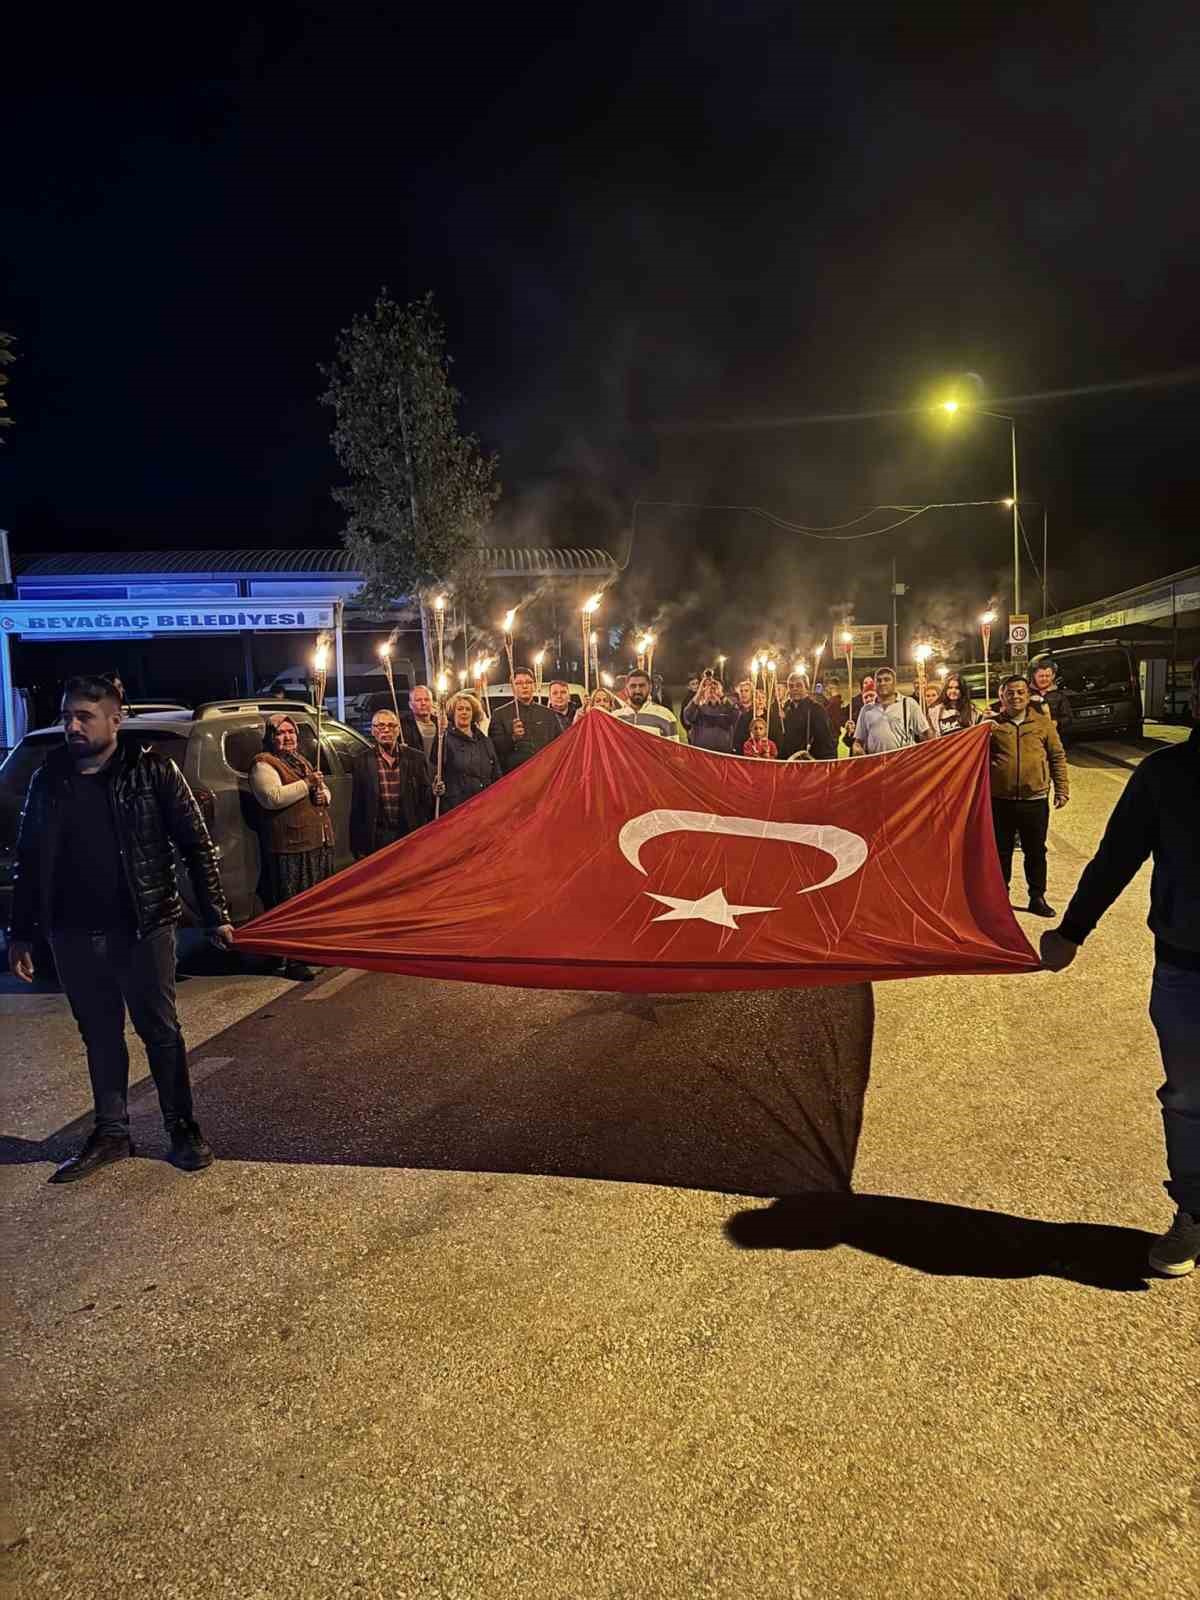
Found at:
(333, 986)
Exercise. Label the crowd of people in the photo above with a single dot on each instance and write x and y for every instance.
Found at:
(103, 822)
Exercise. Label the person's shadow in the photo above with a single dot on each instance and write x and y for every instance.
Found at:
(949, 1241)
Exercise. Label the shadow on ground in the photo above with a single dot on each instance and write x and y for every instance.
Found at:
(950, 1241)
(743, 1093)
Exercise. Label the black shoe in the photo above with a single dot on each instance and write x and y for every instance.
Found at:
(298, 972)
(99, 1150)
(1174, 1254)
(190, 1150)
(1040, 908)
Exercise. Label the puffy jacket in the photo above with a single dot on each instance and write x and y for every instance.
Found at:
(710, 727)
(1026, 756)
(153, 809)
(1155, 816)
(469, 765)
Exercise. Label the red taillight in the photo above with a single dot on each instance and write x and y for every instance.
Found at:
(207, 801)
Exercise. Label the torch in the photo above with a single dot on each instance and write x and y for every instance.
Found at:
(385, 655)
(643, 646)
(594, 642)
(650, 643)
(481, 670)
(817, 654)
(985, 633)
(848, 647)
(539, 661)
(320, 676)
(721, 660)
(921, 654)
(439, 618)
(443, 683)
(589, 606)
(507, 628)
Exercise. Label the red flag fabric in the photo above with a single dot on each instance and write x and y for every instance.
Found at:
(618, 860)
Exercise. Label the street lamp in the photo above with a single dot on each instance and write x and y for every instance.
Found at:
(951, 407)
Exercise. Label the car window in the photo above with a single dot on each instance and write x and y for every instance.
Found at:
(345, 745)
(18, 768)
(1094, 672)
(241, 745)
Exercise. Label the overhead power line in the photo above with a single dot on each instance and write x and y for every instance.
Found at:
(831, 534)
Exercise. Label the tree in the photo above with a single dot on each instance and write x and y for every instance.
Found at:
(420, 492)
(6, 359)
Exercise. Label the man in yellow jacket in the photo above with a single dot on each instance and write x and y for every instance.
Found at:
(1027, 758)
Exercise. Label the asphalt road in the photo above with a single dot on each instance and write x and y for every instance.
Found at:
(562, 1295)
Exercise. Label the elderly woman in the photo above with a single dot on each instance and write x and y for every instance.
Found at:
(297, 830)
(469, 761)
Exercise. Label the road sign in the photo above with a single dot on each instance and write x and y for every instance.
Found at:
(870, 642)
(1018, 630)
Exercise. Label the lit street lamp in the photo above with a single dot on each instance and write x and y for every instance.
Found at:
(951, 407)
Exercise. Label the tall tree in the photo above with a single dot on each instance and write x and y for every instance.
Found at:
(420, 492)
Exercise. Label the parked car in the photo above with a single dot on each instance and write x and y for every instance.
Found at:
(213, 747)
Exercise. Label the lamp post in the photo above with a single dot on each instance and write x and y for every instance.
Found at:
(951, 407)
(985, 633)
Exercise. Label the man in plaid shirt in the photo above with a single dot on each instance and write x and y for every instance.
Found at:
(393, 789)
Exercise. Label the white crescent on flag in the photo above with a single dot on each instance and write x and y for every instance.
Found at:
(848, 849)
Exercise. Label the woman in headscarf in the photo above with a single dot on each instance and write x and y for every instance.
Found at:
(297, 828)
(469, 761)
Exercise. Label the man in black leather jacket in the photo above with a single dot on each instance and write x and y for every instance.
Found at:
(96, 876)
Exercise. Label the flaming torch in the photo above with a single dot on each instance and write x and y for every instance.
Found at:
(507, 628)
(817, 654)
(320, 678)
(985, 634)
(385, 655)
(921, 654)
(589, 606)
(439, 619)
(443, 683)
(481, 671)
(721, 660)
(539, 661)
(848, 647)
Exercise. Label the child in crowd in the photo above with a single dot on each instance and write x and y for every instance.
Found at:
(758, 744)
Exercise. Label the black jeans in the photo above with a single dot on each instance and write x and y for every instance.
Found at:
(1029, 821)
(103, 973)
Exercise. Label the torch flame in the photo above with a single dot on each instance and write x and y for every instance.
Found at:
(440, 602)
(509, 619)
(443, 682)
(462, 677)
(385, 650)
(592, 604)
(539, 658)
(321, 658)
(606, 678)
(922, 652)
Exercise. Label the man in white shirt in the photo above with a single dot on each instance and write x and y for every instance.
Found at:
(892, 723)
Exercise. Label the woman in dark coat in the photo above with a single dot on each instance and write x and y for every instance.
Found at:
(469, 761)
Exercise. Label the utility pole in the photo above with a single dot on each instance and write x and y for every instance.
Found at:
(897, 588)
(1045, 549)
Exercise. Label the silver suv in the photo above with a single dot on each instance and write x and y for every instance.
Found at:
(213, 747)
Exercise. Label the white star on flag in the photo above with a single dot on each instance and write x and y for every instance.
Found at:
(710, 908)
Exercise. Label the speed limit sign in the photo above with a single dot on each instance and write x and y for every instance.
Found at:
(1018, 629)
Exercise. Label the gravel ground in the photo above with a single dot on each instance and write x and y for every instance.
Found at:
(506, 1293)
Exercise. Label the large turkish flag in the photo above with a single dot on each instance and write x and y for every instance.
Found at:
(618, 860)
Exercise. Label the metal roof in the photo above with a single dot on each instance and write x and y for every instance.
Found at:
(513, 562)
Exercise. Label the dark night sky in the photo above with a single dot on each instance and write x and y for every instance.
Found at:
(646, 215)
